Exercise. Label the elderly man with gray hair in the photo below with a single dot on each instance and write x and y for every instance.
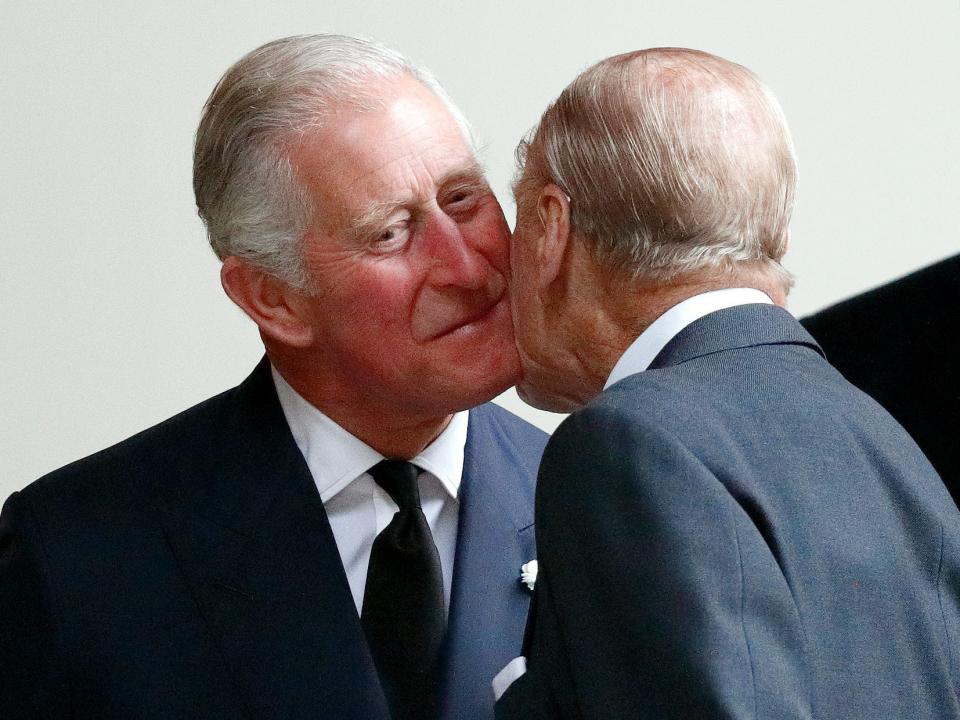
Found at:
(726, 527)
(341, 535)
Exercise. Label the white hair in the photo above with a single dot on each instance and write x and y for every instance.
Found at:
(675, 161)
(246, 186)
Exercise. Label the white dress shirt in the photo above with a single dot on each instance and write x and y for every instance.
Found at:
(637, 358)
(357, 508)
(645, 348)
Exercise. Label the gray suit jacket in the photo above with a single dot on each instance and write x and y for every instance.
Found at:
(740, 533)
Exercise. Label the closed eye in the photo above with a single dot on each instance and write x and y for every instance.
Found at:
(460, 203)
(459, 197)
(392, 237)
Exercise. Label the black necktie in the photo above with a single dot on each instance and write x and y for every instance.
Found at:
(403, 611)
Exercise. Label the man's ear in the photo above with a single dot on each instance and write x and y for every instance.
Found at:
(272, 304)
(553, 207)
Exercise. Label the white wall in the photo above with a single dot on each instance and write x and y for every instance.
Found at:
(113, 314)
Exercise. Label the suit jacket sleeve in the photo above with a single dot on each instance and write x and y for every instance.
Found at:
(543, 692)
(31, 683)
(665, 599)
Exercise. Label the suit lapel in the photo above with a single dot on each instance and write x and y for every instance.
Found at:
(488, 602)
(731, 328)
(255, 546)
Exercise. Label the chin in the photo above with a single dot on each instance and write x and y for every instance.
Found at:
(501, 378)
(483, 381)
(497, 363)
(546, 387)
(542, 398)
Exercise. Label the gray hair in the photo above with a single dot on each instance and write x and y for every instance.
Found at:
(246, 186)
(675, 161)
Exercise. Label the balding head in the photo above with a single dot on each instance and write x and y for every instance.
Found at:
(676, 162)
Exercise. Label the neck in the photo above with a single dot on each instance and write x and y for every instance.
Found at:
(600, 317)
(396, 440)
(636, 305)
(578, 337)
(399, 434)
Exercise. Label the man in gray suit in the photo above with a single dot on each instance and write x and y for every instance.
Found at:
(726, 527)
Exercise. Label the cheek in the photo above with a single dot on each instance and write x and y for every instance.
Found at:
(381, 301)
(489, 233)
(348, 278)
(523, 299)
(515, 269)
(518, 259)
(521, 315)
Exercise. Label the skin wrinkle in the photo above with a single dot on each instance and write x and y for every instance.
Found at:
(576, 310)
(710, 186)
(429, 322)
(253, 206)
(369, 219)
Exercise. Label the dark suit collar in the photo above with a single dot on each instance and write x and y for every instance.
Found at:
(731, 328)
(251, 535)
(248, 447)
(250, 532)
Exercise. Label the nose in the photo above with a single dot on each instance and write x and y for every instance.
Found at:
(455, 261)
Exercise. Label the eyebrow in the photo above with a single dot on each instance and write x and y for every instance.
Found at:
(373, 215)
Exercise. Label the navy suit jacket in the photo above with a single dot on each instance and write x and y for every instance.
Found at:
(899, 343)
(738, 532)
(190, 572)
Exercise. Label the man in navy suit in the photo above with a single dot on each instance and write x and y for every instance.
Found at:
(726, 527)
(220, 564)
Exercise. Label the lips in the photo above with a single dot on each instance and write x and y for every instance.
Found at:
(474, 318)
(443, 313)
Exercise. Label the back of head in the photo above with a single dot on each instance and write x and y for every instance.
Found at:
(245, 182)
(676, 162)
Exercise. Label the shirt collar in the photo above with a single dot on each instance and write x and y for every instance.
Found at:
(336, 458)
(645, 348)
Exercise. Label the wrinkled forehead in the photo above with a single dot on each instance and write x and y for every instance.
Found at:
(395, 152)
(320, 120)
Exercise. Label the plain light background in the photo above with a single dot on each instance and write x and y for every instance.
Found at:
(114, 318)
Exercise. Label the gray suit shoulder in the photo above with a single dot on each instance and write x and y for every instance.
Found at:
(647, 401)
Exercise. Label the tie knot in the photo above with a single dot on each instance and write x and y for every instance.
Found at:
(399, 479)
